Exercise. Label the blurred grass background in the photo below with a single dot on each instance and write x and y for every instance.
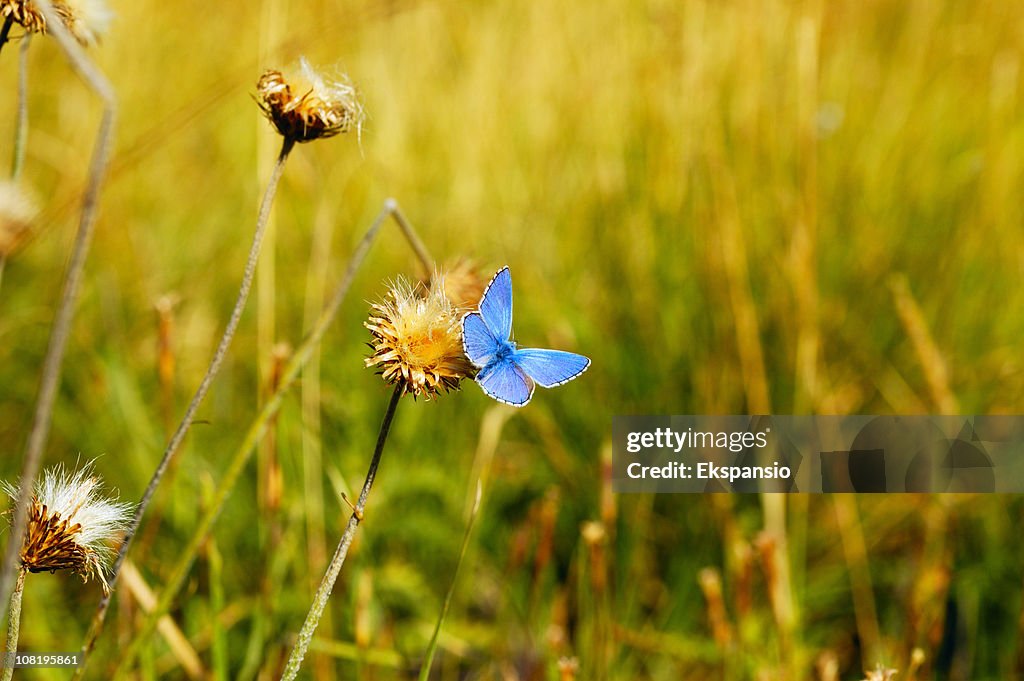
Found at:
(731, 207)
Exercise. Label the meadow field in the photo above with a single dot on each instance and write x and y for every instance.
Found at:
(731, 207)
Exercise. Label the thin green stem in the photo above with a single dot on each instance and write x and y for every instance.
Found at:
(432, 647)
(186, 422)
(14, 625)
(54, 360)
(316, 611)
(257, 429)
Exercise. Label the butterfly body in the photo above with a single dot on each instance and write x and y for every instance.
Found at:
(506, 372)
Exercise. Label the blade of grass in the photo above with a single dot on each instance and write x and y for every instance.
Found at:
(219, 646)
(933, 363)
(183, 651)
(432, 647)
(855, 549)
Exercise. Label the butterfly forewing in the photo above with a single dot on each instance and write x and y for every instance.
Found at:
(496, 304)
(507, 374)
(478, 342)
(550, 367)
(506, 382)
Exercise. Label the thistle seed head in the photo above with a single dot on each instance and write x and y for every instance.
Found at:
(71, 525)
(305, 106)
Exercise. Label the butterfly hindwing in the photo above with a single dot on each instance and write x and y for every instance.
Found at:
(508, 374)
(496, 304)
(478, 341)
(550, 367)
(506, 382)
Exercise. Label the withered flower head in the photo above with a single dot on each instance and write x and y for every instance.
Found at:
(417, 340)
(70, 524)
(86, 20)
(306, 106)
(462, 283)
(24, 13)
(17, 211)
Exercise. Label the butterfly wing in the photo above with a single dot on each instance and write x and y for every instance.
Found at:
(506, 382)
(550, 367)
(496, 305)
(478, 342)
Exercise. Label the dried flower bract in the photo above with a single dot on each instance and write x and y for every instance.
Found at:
(306, 106)
(24, 13)
(417, 340)
(70, 524)
(85, 20)
(462, 282)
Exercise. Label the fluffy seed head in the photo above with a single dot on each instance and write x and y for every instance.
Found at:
(417, 340)
(86, 20)
(306, 106)
(71, 524)
(17, 211)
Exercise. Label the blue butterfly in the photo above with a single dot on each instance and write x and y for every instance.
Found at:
(507, 373)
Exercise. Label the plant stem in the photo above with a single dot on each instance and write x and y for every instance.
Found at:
(14, 626)
(204, 386)
(54, 359)
(291, 670)
(21, 122)
(257, 429)
(411, 236)
(6, 30)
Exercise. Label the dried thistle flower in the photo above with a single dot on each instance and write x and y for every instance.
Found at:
(417, 340)
(306, 106)
(17, 211)
(86, 20)
(462, 282)
(24, 13)
(70, 524)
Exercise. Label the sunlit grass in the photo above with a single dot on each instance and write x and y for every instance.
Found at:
(613, 154)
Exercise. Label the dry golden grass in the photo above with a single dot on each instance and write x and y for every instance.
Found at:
(707, 198)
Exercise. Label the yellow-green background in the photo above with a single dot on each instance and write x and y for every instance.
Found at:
(716, 201)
